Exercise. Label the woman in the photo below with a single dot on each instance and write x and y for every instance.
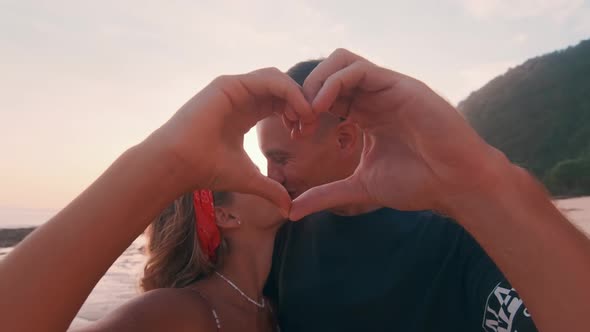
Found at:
(49, 275)
(207, 264)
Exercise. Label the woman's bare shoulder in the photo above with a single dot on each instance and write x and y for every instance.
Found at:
(165, 309)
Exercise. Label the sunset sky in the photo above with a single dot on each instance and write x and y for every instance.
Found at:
(81, 81)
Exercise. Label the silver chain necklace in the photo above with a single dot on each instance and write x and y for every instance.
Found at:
(260, 304)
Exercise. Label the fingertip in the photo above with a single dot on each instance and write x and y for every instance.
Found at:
(290, 125)
(327, 196)
(295, 133)
(305, 204)
(272, 191)
(301, 130)
(285, 210)
(295, 215)
(304, 109)
(290, 114)
(283, 201)
(318, 104)
(302, 206)
(310, 88)
(298, 106)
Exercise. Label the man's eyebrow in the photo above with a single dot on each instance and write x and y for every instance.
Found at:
(275, 153)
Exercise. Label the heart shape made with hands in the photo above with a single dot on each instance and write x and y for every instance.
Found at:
(419, 153)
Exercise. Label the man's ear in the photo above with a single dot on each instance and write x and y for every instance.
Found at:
(348, 136)
(225, 219)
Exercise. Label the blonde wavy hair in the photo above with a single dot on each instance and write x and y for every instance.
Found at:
(174, 257)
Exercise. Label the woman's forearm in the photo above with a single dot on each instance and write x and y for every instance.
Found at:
(46, 278)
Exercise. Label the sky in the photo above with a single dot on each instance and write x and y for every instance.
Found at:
(82, 81)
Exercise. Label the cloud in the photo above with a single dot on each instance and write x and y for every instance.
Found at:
(583, 25)
(520, 38)
(558, 10)
(108, 73)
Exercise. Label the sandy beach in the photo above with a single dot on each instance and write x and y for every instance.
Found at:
(578, 211)
(120, 282)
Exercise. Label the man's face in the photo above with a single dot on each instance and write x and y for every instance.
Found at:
(296, 164)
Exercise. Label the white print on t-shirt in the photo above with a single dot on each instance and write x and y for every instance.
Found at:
(501, 309)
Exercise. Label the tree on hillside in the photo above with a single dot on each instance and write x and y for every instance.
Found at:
(570, 177)
(539, 112)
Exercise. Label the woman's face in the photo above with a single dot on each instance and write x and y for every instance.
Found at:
(255, 211)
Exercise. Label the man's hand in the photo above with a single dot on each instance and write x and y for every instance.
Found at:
(205, 137)
(419, 152)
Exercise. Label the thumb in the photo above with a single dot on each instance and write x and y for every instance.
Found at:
(271, 190)
(330, 195)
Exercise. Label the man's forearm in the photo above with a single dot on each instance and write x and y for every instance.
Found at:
(46, 278)
(545, 258)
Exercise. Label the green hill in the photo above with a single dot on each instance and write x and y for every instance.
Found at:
(539, 115)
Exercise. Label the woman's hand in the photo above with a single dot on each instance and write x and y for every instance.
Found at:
(49, 275)
(205, 137)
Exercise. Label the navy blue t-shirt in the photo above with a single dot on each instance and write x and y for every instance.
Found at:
(389, 270)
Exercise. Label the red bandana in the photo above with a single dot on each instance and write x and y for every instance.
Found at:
(207, 231)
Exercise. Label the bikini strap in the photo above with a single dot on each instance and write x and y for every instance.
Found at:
(213, 311)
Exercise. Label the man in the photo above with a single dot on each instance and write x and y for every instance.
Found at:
(365, 268)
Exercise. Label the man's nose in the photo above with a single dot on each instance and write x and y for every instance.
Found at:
(275, 173)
